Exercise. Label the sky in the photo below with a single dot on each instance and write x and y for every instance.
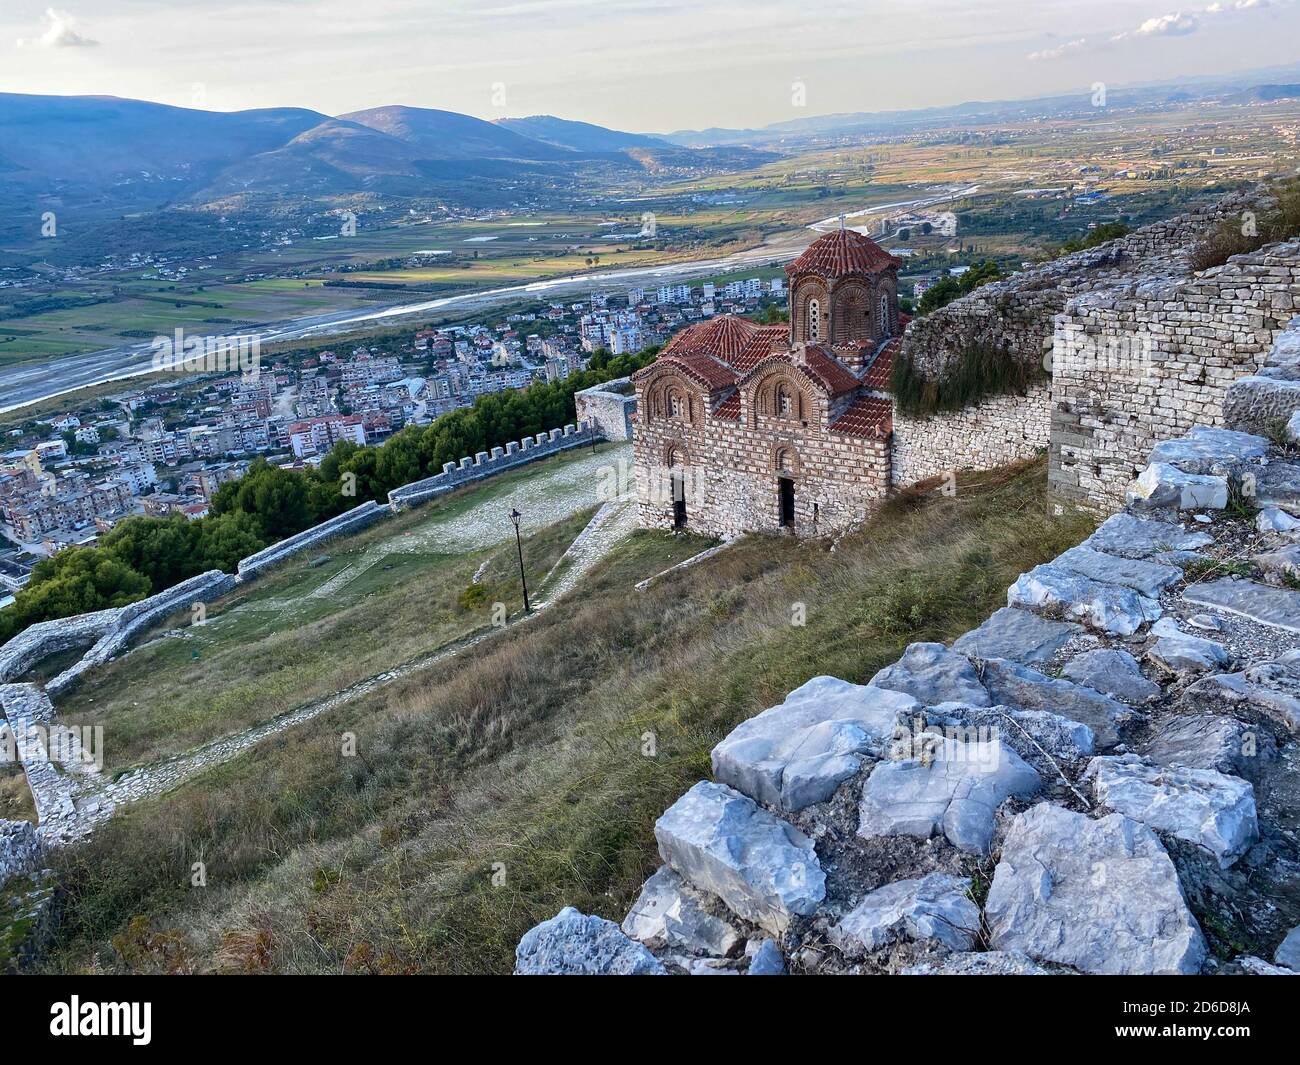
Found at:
(642, 65)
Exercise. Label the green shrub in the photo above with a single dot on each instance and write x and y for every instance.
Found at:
(982, 370)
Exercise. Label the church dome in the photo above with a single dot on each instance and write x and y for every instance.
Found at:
(841, 253)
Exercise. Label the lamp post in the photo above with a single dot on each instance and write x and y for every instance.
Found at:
(519, 544)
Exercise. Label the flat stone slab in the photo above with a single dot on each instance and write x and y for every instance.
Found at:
(1275, 520)
(1202, 806)
(1270, 688)
(799, 752)
(937, 907)
(1285, 561)
(1163, 485)
(1208, 450)
(932, 674)
(1012, 684)
(722, 842)
(1030, 733)
(668, 915)
(955, 789)
(573, 944)
(1134, 537)
(1101, 896)
(1112, 672)
(1109, 608)
(1279, 607)
(1148, 578)
(1278, 485)
(1182, 653)
(765, 960)
(1288, 952)
(1211, 741)
(1018, 635)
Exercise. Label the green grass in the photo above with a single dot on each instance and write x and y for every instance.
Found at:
(527, 756)
(981, 371)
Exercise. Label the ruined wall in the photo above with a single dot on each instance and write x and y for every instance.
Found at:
(609, 407)
(1000, 430)
(348, 522)
(1146, 359)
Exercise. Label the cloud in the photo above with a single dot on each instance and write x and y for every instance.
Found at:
(1176, 24)
(1079, 44)
(60, 32)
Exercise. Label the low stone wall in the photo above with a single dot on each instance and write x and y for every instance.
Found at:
(347, 522)
(488, 464)
(998, 431)
(139, 617)
(609, 407)
(47, 638)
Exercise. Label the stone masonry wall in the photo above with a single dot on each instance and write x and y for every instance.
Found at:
(1146, 359)
(1000, 430)
(609, 407)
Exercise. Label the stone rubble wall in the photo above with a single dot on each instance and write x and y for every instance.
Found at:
(136, 618)
(608, 407)
(1258, 403)
(996, 432)
(46, 638)
(341, 525)
(20, 849)
(488, 464)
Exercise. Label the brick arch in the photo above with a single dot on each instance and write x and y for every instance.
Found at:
(669, 392)
(886, 289)
(785, 461)
(851, 314)
(675, 455)
(805, 290)
(765, 392)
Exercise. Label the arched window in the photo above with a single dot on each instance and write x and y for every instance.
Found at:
(784, 401)
(886, 326)
(676, 405)
(814, 319)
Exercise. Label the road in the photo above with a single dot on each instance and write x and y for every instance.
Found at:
(29, 383)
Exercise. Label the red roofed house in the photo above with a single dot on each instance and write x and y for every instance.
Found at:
(743, 427)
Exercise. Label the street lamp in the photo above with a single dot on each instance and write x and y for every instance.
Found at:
(519, 544)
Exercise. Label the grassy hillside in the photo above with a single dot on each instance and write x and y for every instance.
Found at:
(490, 790)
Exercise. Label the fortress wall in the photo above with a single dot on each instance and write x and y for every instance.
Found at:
(348, 522)
(609, 407)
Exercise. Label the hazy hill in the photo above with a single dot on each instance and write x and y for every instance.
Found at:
(448, 135)
(579, 136)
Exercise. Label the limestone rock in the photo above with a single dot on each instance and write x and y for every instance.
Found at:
(765, 960)
(1272, 519)
(1148, 578)
(1101, 896)
(1015, 685)
(1278, 485)
(1109, 608)
(1208, 450)
(1288, 952)
(1163, 485)
(1211, 741)
(1017, 635)
(1293, 427)
(720, 841)
(1203, 806)
(1285, 561)
(1279, 607)
(798, 753)
(955, 788)
(985, 963)
(573, 944)
(1113, 672)
(1029, 733)
(1179, 652)
(1271, 688)
(667, 915)
(1134, 537)
(935, 907)
(1252, 966)
(932, 674)
(20, 848)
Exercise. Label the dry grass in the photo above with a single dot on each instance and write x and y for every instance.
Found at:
(527, 759)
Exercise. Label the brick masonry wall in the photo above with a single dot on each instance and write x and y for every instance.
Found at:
(1000, 430)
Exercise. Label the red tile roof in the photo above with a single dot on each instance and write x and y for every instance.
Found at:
(879, 372)
(729, 407)
(700, 367)
(766, 339)
(824, 368)
(722, 337)
(842, 252)
(867, 416)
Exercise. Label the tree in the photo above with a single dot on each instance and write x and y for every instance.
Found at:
(163, 549)
(226, 538)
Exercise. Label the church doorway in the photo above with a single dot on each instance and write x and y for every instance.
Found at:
(785, 491)
(679, 499)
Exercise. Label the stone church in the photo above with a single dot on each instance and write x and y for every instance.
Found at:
(743, 427)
